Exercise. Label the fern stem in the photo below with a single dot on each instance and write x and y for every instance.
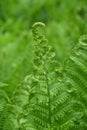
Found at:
(49, 100)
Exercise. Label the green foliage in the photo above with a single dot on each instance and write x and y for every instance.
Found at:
(43, 84)
(50, 98)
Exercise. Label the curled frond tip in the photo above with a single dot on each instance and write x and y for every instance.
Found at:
(37, 24)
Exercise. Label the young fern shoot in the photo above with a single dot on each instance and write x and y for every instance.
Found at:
(42, 61)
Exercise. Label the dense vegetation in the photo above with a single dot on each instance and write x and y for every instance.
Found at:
(43, 65)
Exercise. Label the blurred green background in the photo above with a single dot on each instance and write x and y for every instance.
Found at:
(65, 21)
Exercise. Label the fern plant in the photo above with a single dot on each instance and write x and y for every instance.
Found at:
(53, 101)
(56, 106)
(50, 98)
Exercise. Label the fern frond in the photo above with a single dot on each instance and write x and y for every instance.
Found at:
(50, 107)
(76, 78)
